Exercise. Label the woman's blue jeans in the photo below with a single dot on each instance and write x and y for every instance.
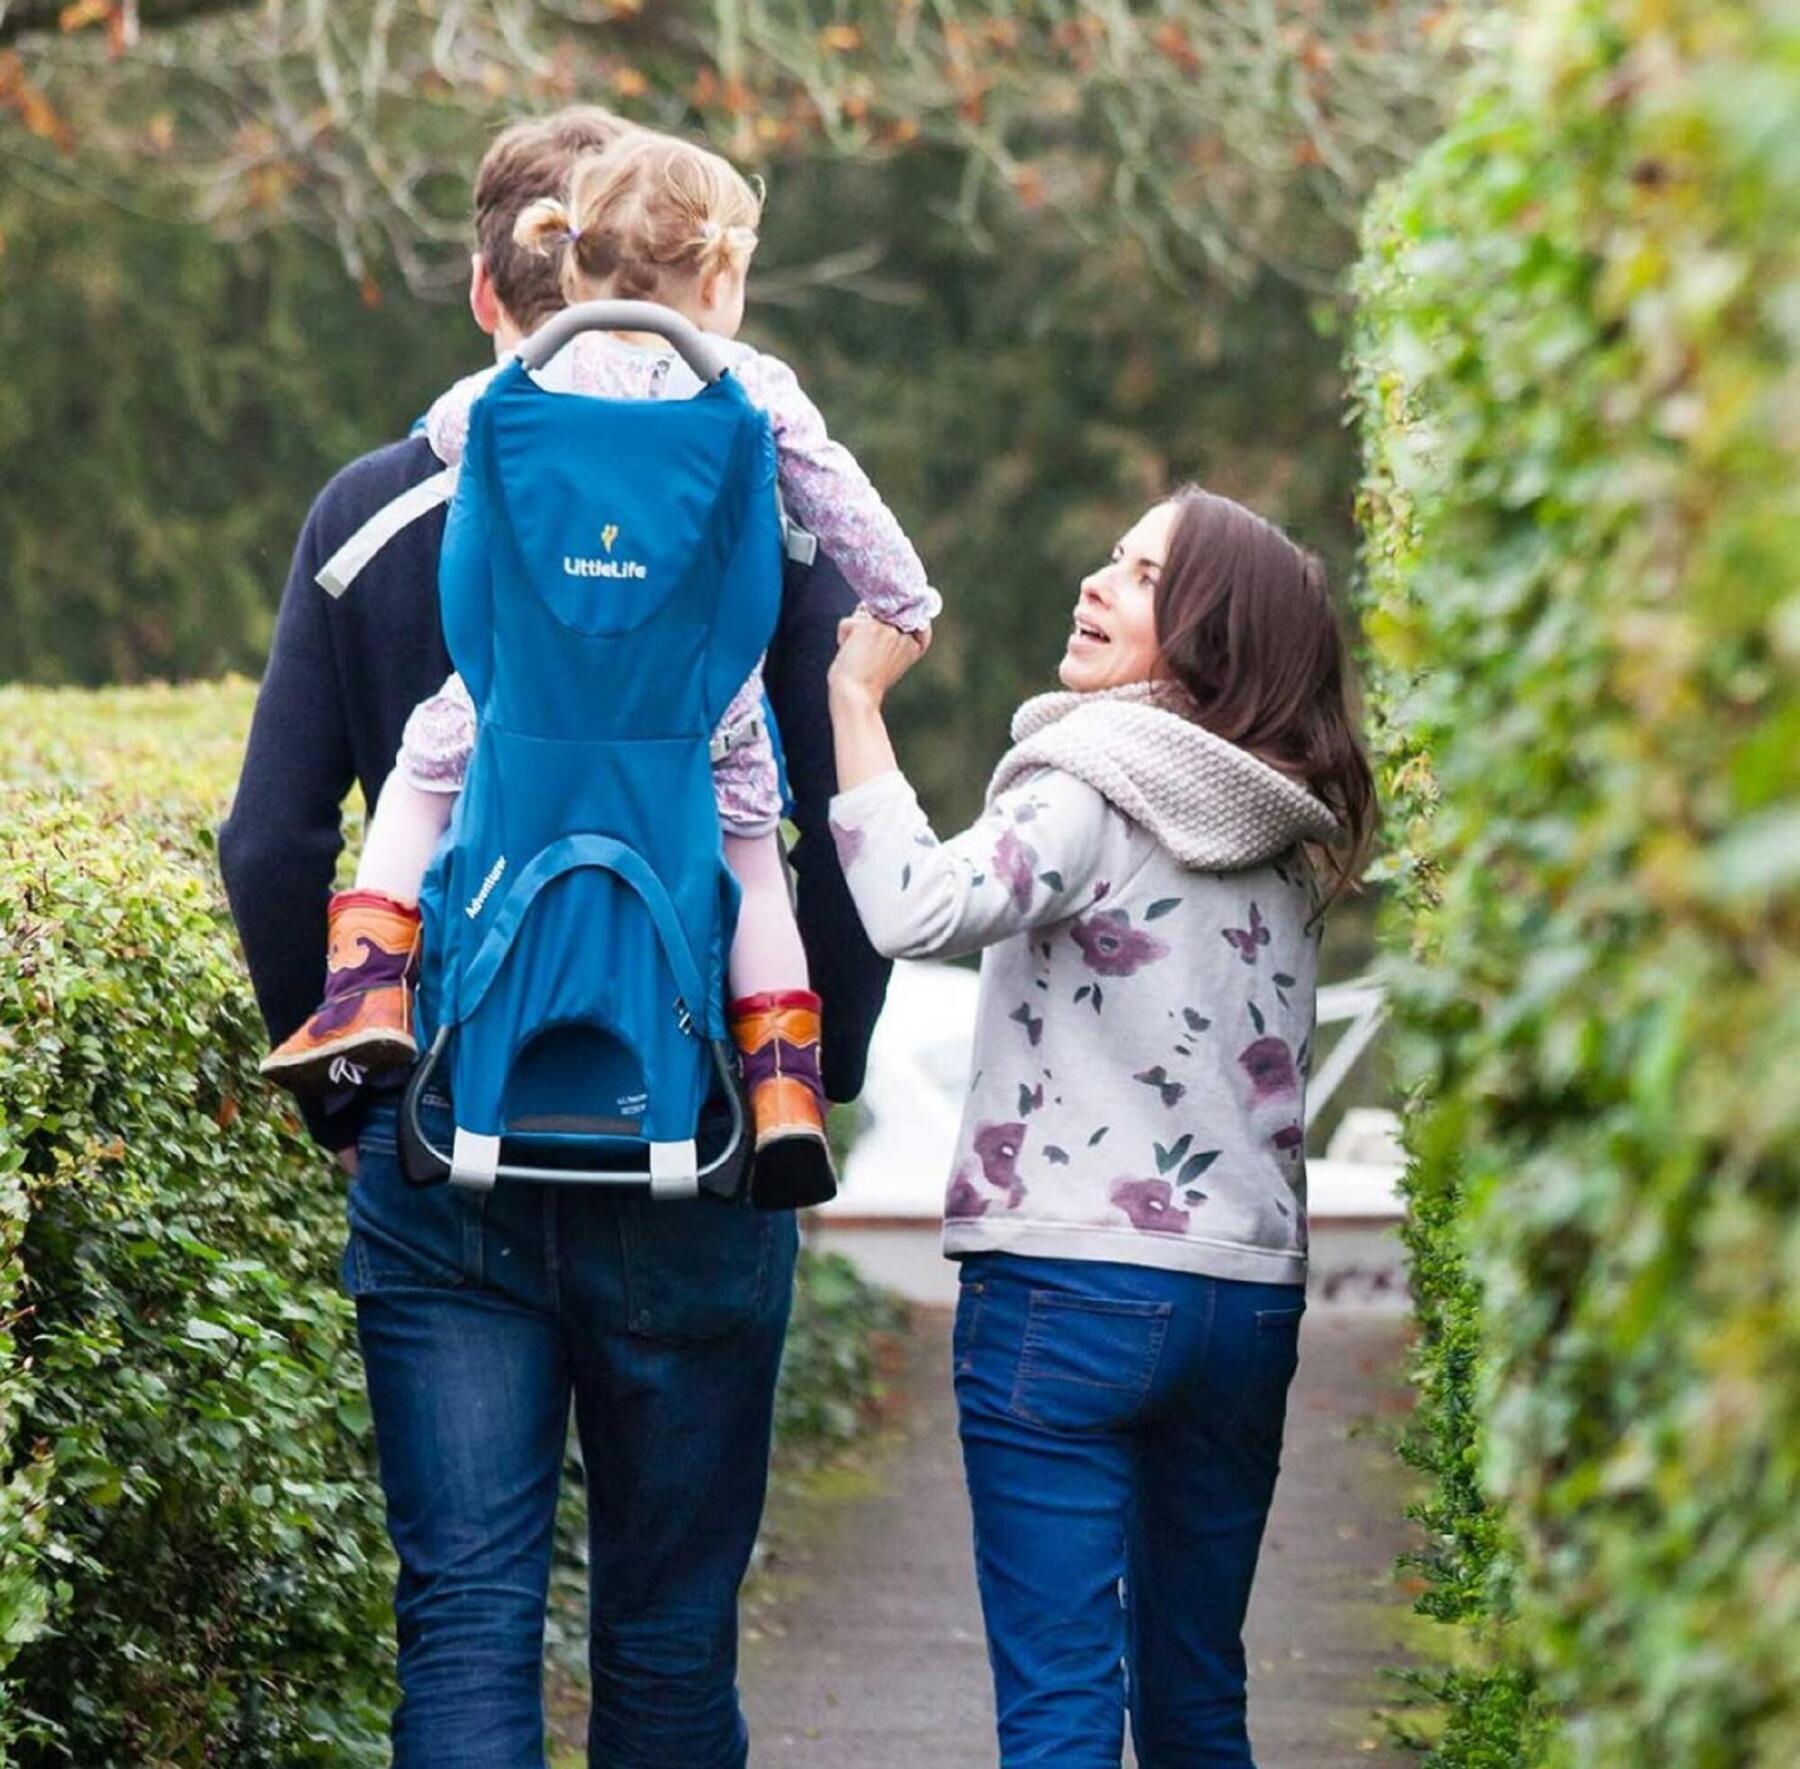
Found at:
(480, 1319)
(1121, 1431)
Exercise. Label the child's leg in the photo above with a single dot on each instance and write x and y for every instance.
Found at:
(365, 1022)
(766, 953)
(402, 836)
(775, 1024)
(774, 1014)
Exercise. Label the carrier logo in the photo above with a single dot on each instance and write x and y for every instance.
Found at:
(607, 567)
(478, 902)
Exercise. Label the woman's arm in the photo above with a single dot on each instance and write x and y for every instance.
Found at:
(1046, 850)
(872, 656)
(1040, 853)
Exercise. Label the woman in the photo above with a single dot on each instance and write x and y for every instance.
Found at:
(1128, 1197)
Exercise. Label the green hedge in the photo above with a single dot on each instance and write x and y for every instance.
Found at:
(1579, 384)
(192, 1564)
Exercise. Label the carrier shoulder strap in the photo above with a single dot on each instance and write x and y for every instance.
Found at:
(344, 566)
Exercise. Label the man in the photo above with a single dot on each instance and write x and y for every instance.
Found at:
(482, 1317)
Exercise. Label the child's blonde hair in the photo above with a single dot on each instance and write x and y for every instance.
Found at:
(648, 212)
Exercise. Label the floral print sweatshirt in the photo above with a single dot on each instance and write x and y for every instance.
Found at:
(1147, 922)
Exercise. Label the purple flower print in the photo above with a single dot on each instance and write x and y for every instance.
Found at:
(1271, 1067)
(1274, 1081)
(848, 842)
(964, 1200)
(1244, 941)
(1015, 865)
(1148, 1203)
(997, 1147)
(1112, 947)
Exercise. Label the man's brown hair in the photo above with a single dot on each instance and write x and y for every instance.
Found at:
(526, 161)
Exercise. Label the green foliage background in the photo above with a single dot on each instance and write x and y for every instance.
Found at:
(1578, 375)
(173, 403)
(192, 1564)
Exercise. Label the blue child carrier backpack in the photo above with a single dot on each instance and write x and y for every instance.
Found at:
(610, 574)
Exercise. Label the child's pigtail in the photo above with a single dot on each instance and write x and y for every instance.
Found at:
(545, 227)
(718, 247)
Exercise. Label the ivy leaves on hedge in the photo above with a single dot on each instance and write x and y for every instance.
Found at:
(1576, 376)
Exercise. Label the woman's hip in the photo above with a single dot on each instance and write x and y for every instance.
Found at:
(1069, 1346)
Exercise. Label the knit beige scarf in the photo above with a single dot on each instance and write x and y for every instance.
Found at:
(1215, 807)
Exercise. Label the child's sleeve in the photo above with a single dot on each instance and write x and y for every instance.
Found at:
(438, 740)
(828, 492)
(447, 423)
(1045, 850)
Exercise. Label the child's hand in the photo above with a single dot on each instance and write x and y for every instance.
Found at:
(873, 656)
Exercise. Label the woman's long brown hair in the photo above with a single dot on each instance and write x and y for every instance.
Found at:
(1246, 624)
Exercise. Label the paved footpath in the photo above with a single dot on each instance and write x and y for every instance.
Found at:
(863, 1644)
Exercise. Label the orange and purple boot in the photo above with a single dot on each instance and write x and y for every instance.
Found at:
(777, 1035)
(365, 1023)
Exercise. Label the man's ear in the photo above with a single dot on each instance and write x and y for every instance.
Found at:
(483, 302)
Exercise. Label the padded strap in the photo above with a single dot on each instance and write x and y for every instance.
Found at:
(344, 566)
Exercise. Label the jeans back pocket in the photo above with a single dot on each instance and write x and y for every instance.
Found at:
(405, 1237)
(1260, 1416)
(702, 1268)
(1087, 1363)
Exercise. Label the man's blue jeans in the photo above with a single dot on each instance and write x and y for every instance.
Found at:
(1121, 1431)
(480, 1318)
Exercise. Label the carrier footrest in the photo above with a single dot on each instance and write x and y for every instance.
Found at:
(671, 1170)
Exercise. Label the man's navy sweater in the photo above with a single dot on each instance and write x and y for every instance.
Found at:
(343, 675)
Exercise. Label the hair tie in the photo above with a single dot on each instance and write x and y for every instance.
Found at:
(572, 235)
(710, 230)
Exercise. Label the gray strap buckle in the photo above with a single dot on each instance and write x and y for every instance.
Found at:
(800, 544)
(745, 731)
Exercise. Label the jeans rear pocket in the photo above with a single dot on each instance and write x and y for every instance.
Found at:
(1086, 1364)
(1261, 1412)
(702, 1268)
(407, 1237)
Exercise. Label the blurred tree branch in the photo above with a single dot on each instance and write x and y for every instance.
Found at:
(122, 19)
(1211, 138)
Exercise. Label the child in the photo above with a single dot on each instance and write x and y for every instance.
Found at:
(651, 218)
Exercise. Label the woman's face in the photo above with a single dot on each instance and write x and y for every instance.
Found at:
(1114, 641)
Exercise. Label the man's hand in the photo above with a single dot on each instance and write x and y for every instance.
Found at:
(346, 1159)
